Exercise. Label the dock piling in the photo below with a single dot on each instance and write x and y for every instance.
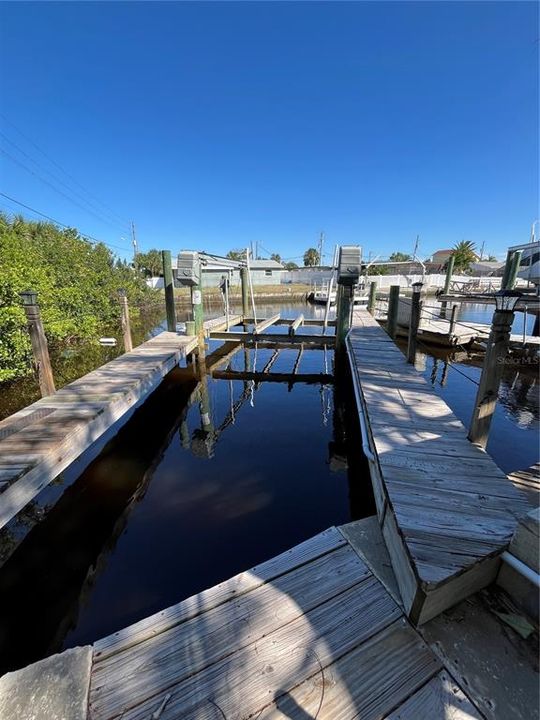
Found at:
(447, 281)
(126, 325)
(244, 279)
(513, 270)
(492, 370)
(40, 348)
(344, 305)
(372, 297)
(349, 264)
(169, 290)
(416, 307)
(393, 307)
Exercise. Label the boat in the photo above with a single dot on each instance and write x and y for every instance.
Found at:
(529, 266)
(320, 297)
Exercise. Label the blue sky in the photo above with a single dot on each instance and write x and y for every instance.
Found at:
(212, 125)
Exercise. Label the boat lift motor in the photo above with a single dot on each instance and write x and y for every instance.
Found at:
(188, 273)
(349, 264)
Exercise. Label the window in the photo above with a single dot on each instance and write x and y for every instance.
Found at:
(268, 273)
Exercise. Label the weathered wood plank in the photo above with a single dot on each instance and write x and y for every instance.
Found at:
(243, 582)
(224, 630)
(264, 324)
(274, 338)
(444, 506)
(440, 698)
(276, 663)
(79, 414)
(366, 683)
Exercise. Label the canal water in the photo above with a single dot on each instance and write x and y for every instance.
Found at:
(203, 481)
(206, 480)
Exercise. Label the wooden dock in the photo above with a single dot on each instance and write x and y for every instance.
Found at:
(40, 441)
(311, 633)
(445, 509)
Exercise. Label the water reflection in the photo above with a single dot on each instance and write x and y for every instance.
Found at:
(227, 464)
(455, 375)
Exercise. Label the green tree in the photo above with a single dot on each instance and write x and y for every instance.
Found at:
(150, 263)
(399, 257)
(236, 255)
(464, 255)
(291, 266)
(276, 257)
(492, 258)
(77, 284)
(311, 257)
(377, 270)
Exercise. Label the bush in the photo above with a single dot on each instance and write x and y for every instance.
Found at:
(77, 285)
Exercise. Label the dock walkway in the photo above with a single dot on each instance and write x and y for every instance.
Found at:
(40, 441)
(445, 509)
(310, 633)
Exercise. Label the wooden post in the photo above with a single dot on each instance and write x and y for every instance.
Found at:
(447, 281)
(453, 320)
(40, 348)
(488, 389)
(416, 307)
(372, 297)
(393, 307)
(513, 270)
(349, 263)
(245, 291)
(343, 319)
(126, 326)
(169, 290)
(198, 314)
(507, 266)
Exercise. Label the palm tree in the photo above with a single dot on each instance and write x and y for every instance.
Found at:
(311, 257)
(464, 255)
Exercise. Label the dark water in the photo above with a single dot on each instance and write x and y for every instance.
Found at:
(513, 440)
(207, 479)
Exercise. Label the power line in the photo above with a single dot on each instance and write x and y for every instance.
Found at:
(57, 190)
(89, 238)
(57, 165)
(94, 208)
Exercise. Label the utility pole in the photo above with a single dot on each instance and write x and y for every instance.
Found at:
(321, 245)
(482, 250)
(134, 243)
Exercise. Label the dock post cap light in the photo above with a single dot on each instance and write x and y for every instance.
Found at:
(29, 297)
(506, 300)
(417, 287)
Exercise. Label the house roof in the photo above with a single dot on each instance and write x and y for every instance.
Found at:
(265, 265)
(448, 250)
